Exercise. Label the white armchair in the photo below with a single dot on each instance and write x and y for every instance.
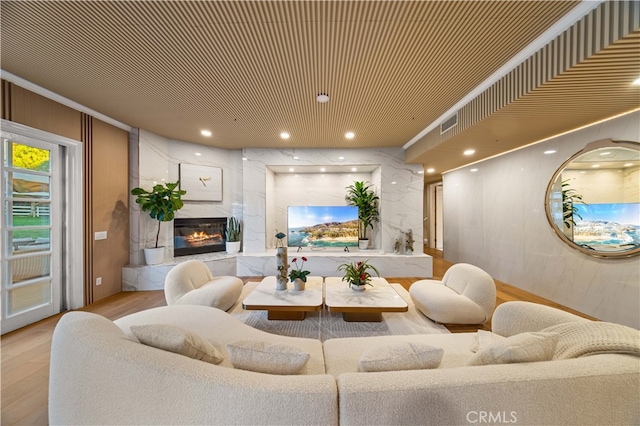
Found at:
(466, 295)
(191, 283)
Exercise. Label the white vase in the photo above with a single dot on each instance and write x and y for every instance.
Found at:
(359, 287)
(298, 284)
(232, 247)
(154, 256)
(363, 244)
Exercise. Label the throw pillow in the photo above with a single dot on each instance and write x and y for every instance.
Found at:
(483, 339)
(523, 347)
(582, 338)
(401, 356)
(263, 357)
(178, 340)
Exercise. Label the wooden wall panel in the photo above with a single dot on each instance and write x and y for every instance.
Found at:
(41, 113)
(109, 206)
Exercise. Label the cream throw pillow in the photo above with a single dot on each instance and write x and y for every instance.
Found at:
(483, 339)
(267, 358)
(401, 356)
(523, 347)
(178, 340)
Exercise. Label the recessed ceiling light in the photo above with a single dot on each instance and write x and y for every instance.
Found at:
(322, 169)
(206, 133)
(636, 82)
(322, 98)
(198, 154)
(550, 151)
(349, 135)
(469, 152)
(473, 170)
(431, 170)
(354, 169)
(284, 135)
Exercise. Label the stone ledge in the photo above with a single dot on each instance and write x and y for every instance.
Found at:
(322, 263)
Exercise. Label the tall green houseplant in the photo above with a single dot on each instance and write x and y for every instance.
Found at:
(365, 199)
(161, 202)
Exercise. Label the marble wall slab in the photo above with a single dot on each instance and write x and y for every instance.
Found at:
(155, 159)
(495, 218)
(399, 185)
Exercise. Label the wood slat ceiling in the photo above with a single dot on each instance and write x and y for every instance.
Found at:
(598, 88)
(249, 70)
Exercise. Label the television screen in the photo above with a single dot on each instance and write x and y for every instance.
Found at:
(322, 226)
(607, 226)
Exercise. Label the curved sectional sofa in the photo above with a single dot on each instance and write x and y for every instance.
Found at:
(101, 374)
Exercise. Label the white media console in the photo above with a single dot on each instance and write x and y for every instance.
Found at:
(321, 263)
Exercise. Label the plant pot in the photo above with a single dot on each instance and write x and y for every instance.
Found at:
(359, 287)
(363, 244)
(298, 284)
(154, 256)
(233, 247)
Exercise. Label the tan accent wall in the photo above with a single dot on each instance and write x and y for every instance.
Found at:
(41, 113)
(110, 206)
(105, 186)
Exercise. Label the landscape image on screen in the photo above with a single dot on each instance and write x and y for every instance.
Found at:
(613, 226)
(322, 226)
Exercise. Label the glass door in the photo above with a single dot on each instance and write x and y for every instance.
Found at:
(31, 232)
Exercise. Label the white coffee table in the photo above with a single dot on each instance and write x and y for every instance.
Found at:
(367, 305)
(285, 304)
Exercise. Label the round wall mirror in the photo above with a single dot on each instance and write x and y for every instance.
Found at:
(593, 199)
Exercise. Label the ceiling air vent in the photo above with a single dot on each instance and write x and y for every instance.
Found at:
(449, 123)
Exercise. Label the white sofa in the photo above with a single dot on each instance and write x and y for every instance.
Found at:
(101, 374)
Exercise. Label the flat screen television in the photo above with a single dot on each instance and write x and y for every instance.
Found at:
(611, 225)
(322, 226)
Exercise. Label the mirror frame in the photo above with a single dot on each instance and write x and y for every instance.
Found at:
(605, 143)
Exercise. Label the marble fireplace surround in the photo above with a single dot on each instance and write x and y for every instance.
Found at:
(256, 190)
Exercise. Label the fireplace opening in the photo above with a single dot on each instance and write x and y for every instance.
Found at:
(198, 235)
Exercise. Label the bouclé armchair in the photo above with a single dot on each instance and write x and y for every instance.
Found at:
(191, 283)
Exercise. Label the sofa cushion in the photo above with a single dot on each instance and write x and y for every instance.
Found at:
(523, 347)
(263, 357)
(578, 339)
(178, 340)
(400, 356)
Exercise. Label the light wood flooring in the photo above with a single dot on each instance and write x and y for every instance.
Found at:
(25, 352)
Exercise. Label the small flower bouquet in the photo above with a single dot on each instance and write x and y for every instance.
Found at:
(357, 273)
(298, 272)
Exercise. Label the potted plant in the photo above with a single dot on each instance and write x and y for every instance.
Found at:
(357, 274)
(365, 199)
(161, 203)
(298, 276)
(569, 199)
(232, 235)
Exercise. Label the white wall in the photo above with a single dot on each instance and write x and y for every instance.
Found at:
(399, 185)
(257, 195)
(495, 219)
(157, 159)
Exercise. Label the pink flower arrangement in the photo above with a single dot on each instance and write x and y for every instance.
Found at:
(298, 272)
